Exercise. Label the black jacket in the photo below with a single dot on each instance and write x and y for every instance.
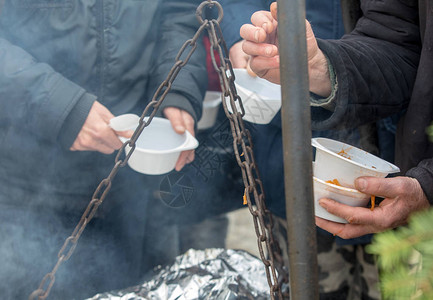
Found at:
(385, 66)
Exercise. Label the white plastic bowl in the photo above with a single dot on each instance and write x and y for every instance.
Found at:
(341, 194)
(337, 160)
(211, 103)
(261, 99)
(157, 148)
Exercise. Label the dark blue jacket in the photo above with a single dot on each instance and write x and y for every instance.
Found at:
(58, 57)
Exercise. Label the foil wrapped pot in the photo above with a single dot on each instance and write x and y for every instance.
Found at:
(215, 274)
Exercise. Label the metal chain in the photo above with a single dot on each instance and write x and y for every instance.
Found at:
(243, 149)
(101, 191)
(241, 141)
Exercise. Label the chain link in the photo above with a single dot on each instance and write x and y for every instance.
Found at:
(243, 149)
(241, 142)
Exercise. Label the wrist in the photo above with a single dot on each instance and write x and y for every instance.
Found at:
(319, 77)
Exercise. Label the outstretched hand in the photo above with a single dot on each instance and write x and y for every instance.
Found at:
(261, 43)
(403, 196)
(96, 134)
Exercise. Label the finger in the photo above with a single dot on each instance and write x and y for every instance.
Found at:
(261, 64)
(264, 20)
(126, 134)
(253, 33)
(331, 227)
(260, 49)
(174, 114)
(345, 231)
(95, 146)
(273, 8)
(190, 157)
(354, 215)
(185, 157)
(384, 187)
(188, 121)
(249, 70)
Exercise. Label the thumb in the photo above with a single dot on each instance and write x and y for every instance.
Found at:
(126, 134)
(274, 9)
(383, 187)
(175, 116)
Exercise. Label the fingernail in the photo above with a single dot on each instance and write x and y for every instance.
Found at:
(361, 184)
(323, 203)
(180, 128)
(268, 51)
(256, 35)
(265, 26)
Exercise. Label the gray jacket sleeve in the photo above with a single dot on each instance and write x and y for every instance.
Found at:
(179, 24)
(37, 98)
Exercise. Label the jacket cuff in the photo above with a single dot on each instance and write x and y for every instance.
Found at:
(329, 102)
(323, 118)
(424, 176)
(75, 120)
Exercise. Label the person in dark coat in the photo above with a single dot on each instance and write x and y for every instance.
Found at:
(346, 270)
(384, 66)
(66, 68)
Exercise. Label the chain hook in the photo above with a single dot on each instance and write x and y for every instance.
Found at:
(210, 4)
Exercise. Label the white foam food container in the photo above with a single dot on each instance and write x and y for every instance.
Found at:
(211, 104)
(157, 148)
(341, 161)
(261, 99)
(340, 194)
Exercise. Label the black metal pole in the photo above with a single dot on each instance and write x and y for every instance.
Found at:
(296, 131)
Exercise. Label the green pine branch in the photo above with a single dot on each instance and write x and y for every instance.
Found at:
(401, 277)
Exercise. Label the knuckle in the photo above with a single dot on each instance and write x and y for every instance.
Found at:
(352, 220)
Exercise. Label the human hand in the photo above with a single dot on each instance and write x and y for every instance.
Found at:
(240, 59)
(403, 196)
(96, 134)
(261, 42)
(180, 121)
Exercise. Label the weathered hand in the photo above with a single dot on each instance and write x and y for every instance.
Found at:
(180, 121)
(261, 43)
(403, 196)
(96, 135)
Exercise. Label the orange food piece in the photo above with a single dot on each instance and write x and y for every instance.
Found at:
(334, 181)
(373, 200)
(245, 200)
(344, 153)
(274, 10)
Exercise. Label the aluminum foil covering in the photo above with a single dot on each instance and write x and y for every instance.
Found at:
(217, 274)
